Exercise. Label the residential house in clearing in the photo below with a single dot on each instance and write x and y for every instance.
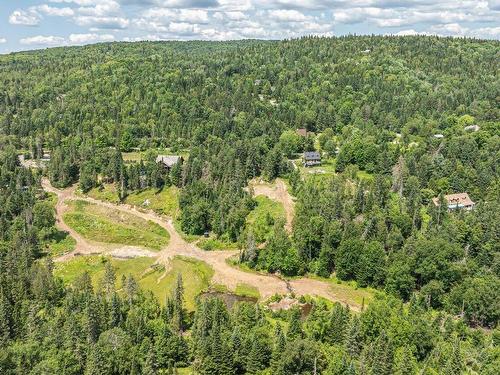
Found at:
(312, 158)
(456, 201)
(168, 161)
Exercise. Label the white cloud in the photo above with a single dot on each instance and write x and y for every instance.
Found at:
(24, 17)
(53, 11)
(102, 22)
(287, 15)
(43, 40)
(3, 40)
(89, 38)
(101, 10)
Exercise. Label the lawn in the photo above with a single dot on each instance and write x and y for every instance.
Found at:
(261, 220)
(163, 202)
(196, 274)
(112, 226)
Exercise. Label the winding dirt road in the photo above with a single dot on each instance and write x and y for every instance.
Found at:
(224, 273)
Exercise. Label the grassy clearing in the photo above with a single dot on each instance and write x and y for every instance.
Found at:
(112, 226)
(163, 202)
(106, 192)
(246, 290)
(60, 243)
(261, 220)
(195, 274)
(349, 291)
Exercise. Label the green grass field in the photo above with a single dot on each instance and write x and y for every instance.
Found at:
(163, 202)
(112, 226)
(261, 220)
(196, 274)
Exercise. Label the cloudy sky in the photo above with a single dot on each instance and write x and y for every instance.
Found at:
(31, 24)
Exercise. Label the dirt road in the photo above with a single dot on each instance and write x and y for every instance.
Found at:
(277, 192)
(224, 273)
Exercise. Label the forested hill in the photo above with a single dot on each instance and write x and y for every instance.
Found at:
(398, 122)
(173, 90)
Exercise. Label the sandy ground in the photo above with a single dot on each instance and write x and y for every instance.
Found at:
(277, 192)
(224, 273)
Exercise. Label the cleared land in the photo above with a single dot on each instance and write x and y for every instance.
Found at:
(163, 202)
(150, 276)
(105, 225)
(260, 221)
(277, 192)
(223, 273)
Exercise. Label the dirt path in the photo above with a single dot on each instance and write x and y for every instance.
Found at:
(82, 245)
(277, 192)
(224, 273)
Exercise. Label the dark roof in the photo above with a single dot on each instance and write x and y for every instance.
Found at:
(312, 155)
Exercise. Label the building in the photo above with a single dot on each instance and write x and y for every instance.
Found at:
(456, 201)
(304, 133)
(168, 161)
(312, 158)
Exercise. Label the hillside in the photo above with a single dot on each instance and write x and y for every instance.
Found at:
(361, 170)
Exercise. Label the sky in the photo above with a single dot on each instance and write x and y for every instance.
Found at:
(35, 24)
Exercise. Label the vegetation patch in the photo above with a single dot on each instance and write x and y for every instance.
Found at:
(246, 290)
(60, 243)
(163, 202)
(112, 226)
(349, 292)
(196, 274)
(261, 219)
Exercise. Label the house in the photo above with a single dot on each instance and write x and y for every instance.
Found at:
(439, 136)
(312, 158)
(456, 201)
(168, 161)
(472, 128)
(304, 133)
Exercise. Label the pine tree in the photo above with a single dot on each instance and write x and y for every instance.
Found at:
(96, 362)
(254, 359)
(295, 327)
(404, 362)
(354, 337)
(109, 279)
(278, 349)
(178, 314)
(455, 363)
(337, 324)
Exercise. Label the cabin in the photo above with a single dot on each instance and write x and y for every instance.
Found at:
(312, 158)
(472, 128)
(304, 133)
(168, 161)
(456, 201)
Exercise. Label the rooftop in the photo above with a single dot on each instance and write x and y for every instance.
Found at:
(168, 160)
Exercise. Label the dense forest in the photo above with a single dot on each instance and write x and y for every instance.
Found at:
(403, 120)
